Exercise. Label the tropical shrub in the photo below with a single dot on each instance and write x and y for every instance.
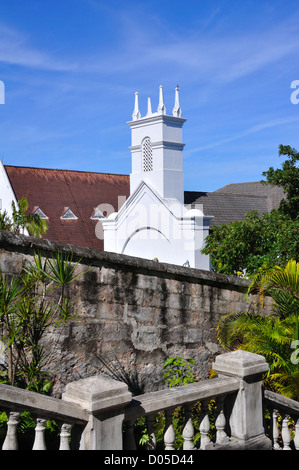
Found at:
(274, 336)
(28, 309)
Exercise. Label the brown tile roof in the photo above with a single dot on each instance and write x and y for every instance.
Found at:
(55, 190)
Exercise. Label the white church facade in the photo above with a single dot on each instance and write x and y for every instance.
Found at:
(154, 223)
(156, 218)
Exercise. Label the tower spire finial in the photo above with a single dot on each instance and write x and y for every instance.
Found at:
(161, 107)
(136, 113)
(177, 112)
(149, 107)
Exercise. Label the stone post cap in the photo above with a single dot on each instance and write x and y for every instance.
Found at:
(97, 393)
(240, 363)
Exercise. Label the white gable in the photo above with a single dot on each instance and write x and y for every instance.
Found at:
(7, 194)
(150, 227)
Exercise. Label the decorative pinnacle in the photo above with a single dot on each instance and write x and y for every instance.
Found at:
(149, 107)
(177, 112)
(161, 107)
(136, 113)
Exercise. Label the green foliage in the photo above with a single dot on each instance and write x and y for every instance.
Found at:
(178, 371)
(272, 336)
(254, 243)
(287, 177)
(5, 222)
(26, 431)
(27, 311)
(21, 219)
(261, 242)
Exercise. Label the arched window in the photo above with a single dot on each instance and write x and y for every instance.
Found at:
(147, 155)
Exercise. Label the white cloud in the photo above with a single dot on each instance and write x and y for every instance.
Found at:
(148, 51)
(246, 132)
(16, 50)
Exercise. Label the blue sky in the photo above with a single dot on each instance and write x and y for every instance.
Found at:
(71, 68)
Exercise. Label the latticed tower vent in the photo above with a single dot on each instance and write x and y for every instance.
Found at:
(147, 155)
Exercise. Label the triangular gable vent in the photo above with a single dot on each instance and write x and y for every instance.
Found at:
(68, 214)
(39, 212)
(97, 214)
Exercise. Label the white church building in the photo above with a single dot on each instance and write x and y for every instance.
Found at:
(156, 218)
(154, 223)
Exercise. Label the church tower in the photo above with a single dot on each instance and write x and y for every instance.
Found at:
(157, 149)
(154, 223)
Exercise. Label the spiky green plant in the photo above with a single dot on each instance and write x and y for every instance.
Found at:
(27, 311)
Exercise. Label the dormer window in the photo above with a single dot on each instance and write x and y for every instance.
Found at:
(39, 212)
(97, 214)
(147, 155)
(68, 214)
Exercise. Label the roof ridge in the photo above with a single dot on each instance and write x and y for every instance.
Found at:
(240, 194)
(247, 182)
(64, 170)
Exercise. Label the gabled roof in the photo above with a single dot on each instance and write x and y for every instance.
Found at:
(233, 201)
(56, 191)
(273, 194)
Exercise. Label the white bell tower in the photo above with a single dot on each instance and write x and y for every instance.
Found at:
(153, 223)
(157, 149)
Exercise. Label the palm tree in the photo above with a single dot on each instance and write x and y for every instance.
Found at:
(5, 222)
(21, 220)
(282, 284)
(270, 335)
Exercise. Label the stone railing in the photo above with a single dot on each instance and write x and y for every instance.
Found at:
(68, 416)
(281, 420)
(228, 408)
(99, 413)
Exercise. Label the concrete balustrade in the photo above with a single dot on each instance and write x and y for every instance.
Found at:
(98, 413)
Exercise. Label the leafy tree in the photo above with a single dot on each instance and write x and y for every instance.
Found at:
(273, 336)
(260, 242)
(254, 243)
(288, 178)
(27, 310)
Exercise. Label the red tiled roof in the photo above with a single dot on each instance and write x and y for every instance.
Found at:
(55, 190)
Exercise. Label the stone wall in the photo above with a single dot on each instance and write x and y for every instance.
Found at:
(139, 311)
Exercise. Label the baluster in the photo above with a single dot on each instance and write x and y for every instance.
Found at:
(169, 436)
(188, 431)
(150, 420)
(39, 441)
(11, 442)
(296, 437)
(129, 439)
(204, 427)
(65, 434)
(275, 430)
(285, 433)
(220, 423)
